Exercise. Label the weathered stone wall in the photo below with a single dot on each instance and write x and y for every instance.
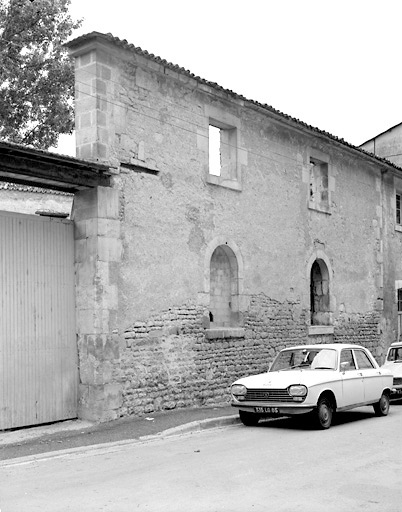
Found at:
(363, 329)
(169, 363)
(97, 257)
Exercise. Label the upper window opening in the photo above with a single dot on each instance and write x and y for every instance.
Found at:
(318, 186)
(214, 150)
(398, 209)
(223, 164)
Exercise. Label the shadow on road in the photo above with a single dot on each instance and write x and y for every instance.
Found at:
(306, 422)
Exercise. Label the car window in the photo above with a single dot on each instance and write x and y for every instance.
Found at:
(306, 359)
(347, 357)
(363, 360)
(395, 354)
(324, 360)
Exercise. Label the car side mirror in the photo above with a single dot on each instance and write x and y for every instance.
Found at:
(344, 366)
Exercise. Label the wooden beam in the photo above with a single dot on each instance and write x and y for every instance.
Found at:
(28, 166)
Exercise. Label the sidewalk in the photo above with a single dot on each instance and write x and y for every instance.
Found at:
(76, 433)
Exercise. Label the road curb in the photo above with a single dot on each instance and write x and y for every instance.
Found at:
(195, 426)
(186, 428)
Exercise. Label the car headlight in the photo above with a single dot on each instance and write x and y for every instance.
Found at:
(239, 391)
(297, 390)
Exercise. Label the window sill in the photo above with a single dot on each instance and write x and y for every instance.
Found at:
(224, 332)
(326, 210)
(320, 329)
(221, 182)
(398, 227)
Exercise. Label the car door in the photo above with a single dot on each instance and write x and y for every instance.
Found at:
(372, 378)
(352, 380)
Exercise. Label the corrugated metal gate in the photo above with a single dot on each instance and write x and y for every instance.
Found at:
(38, 350)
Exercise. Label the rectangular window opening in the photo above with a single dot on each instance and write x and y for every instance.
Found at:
(223, 165)
(215, 163)
(398, 209)
(318, 187)
(400, 301)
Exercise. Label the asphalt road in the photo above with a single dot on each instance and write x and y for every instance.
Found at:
(282, 466)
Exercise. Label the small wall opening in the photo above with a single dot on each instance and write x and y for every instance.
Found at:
(224, 289)
(222, 151)
(214, 150)
(319, 294)
(319, 193)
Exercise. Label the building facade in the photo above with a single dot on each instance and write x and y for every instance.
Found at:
(387, 144)
(230, 231)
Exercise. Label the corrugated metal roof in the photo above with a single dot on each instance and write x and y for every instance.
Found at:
(15, 187)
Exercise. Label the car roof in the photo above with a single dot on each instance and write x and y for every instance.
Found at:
(396, 344)
(334, 346)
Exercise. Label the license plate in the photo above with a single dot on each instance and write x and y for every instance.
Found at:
(271, 410)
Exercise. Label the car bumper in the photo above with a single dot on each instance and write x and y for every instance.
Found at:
(274, 409)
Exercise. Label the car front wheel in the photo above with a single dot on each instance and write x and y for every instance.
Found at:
(381, 408)
(324, 413)
(249, 418)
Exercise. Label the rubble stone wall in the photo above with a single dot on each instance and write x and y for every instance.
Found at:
(167, 362)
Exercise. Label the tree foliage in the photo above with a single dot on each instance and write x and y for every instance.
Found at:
(36, 74)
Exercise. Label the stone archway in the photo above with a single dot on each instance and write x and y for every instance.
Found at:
(319, 293)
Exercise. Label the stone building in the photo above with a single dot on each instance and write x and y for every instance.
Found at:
(388, 144)
(231, 230)
(207, 232)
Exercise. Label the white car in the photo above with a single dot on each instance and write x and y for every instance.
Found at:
(393, 362)
(319, 379)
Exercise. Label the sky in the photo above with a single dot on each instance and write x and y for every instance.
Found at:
(335, 65)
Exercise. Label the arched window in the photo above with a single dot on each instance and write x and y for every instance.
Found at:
(224, 288)
(319, 294)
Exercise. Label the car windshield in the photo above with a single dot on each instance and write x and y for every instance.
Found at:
(305, 358)
(395, 354)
